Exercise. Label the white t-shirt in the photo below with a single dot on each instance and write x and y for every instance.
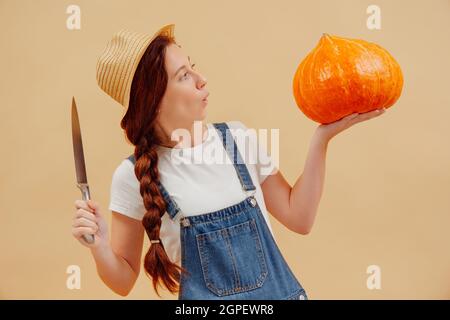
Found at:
(196, 180)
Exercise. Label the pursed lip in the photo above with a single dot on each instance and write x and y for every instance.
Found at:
(206, 97)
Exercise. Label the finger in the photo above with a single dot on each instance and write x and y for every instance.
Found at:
(83, 240)
(93, 206)
(82, 204)
(371, 114)
(80, 231)
(81, 213)
(379, 111)
(376, 112)
(83, 222)
(351, 116)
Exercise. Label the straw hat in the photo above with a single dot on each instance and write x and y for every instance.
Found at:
(118, 62)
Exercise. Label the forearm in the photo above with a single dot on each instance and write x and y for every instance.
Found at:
(114, 270)
(306, 193)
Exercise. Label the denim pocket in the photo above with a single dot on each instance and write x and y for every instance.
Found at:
(232, 259)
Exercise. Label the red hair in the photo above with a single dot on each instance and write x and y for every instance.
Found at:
(147, 89)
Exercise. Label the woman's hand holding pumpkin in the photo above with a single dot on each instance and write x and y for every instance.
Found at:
(328, 131)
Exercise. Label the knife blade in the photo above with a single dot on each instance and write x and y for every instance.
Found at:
(80, 166)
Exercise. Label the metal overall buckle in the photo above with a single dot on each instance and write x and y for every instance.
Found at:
(182, 219)
(251, 197)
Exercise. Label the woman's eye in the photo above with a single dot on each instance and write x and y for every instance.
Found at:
(192, 66)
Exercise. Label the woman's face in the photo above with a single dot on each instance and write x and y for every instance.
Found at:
(183, 102)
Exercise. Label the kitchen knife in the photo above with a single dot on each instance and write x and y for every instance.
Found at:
(80, 166)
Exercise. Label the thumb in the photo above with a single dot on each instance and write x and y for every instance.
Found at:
(93, 205)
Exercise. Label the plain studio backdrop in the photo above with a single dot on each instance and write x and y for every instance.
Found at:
(385, 205)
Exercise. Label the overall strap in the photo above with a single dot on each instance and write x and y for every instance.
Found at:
(231, 147)
(171, 206)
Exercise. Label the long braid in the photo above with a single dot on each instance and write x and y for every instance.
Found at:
(148, 87)
(156, 263)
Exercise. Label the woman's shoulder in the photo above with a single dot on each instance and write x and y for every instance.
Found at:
(125, 171)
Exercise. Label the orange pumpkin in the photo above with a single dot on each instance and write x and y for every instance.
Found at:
(341, 76)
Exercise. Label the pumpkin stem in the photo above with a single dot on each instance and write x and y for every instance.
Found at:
(326, 38)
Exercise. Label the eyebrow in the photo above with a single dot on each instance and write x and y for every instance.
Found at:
(182, 67)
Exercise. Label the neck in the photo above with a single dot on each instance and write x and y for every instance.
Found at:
(185, 136)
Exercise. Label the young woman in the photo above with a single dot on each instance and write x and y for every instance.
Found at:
(207, 222)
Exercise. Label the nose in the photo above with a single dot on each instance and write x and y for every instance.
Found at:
(201, 80)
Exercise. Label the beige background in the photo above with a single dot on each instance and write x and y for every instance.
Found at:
(386, 197)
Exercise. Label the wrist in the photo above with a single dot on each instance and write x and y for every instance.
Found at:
(100, 248)
(321, 136)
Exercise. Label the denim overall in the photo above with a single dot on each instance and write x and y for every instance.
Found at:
(230, 253)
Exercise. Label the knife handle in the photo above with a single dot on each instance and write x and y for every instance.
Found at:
(84, 187)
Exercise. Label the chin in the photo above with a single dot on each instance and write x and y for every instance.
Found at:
(199, 118)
